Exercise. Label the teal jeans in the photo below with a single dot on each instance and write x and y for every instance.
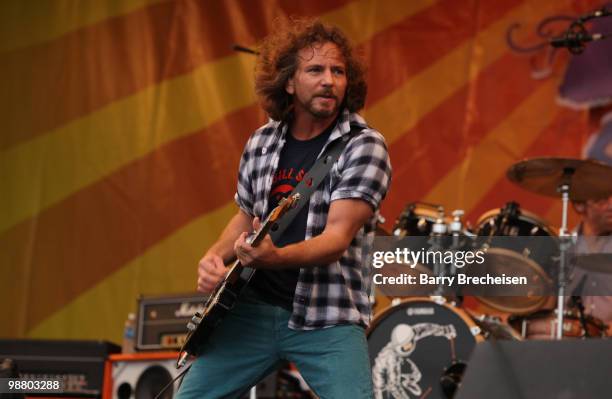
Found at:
(253, 340)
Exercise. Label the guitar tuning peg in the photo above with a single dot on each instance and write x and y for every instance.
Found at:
(191, 326)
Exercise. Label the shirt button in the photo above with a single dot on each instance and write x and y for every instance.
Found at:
(264, 150)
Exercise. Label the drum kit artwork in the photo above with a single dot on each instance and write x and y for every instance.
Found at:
(419, 345)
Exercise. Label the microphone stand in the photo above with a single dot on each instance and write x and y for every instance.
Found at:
(576, 36)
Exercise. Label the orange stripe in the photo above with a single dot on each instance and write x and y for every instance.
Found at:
(99, 229)
(562, 138)
(120, 56)
(425, 38)
(439, 141)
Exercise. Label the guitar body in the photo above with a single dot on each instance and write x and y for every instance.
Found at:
(221, 301)
(226, 293)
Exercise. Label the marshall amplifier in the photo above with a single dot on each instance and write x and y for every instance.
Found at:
(78, 364)
(162, 320)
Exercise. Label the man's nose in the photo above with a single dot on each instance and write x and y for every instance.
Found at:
(327, 78)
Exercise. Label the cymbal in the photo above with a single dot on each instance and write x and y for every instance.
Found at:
(600, 263)
(587, 179)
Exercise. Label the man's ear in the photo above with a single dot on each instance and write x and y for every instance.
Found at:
(290, 87)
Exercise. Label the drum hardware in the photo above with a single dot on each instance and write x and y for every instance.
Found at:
(416, 219)
(500, 225)
(576, 301)
(579, 180)
(451, 378)
(543, 325)
(564, 246)
(493, 327)
(438, 231)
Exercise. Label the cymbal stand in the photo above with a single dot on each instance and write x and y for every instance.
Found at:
(439, 229)
(457, 235)
(564, 241)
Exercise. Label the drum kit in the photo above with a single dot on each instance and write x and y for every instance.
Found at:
(419, 345)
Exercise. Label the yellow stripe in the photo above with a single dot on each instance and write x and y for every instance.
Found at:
(26, 23)
(46, 169)
(400, 111)
(361, 20)
(78, 154)
(469, 181)
(168, 267)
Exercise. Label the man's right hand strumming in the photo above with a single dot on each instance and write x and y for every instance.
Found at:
(210, 271)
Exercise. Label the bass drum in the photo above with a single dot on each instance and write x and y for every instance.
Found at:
(418, 349)
(521, 257)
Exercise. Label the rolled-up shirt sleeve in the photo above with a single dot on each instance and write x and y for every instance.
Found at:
(365, 172)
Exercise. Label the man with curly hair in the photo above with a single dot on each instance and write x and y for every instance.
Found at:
(308, 302)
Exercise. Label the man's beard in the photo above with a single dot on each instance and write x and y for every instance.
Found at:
(322, 113)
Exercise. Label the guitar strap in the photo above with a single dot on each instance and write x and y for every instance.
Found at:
(312, 180)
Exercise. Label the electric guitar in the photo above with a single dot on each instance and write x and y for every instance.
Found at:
(226, 293)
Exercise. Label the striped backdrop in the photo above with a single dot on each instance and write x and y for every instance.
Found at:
(123, 123)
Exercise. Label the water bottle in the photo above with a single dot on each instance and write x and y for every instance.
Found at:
(129, 334)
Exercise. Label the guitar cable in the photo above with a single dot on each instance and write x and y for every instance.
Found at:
(168, 385)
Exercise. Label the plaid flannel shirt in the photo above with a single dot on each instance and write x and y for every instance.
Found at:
(337, 293)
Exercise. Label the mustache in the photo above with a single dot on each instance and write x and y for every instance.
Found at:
(327, 94)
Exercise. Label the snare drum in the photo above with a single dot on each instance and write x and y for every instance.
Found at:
(418, 348)
(523, 257)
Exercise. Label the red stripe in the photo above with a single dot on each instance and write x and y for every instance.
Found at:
(102, 227)
(439, 141)
(561, 138)
(85, 70)
(424, 38)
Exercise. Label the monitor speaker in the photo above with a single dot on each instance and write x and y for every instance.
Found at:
(569, 369)
(141, 375)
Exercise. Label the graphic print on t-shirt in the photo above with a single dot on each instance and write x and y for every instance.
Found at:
(283, 183)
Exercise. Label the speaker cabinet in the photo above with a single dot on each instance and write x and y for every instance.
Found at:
(141, 375)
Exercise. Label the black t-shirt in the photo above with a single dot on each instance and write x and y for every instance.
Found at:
(297, 157)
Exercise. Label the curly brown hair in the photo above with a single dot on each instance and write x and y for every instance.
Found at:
(278, 61)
